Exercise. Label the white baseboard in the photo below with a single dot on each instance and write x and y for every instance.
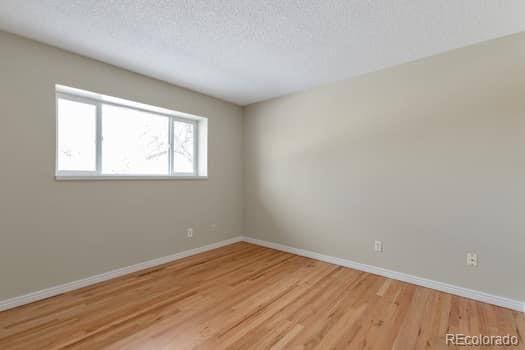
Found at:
(441, 286)
(63, 288)
(444, 287)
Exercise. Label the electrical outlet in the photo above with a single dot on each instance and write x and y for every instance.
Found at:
(378, 246)
(472, 259)
(213, 227)
(189, 232)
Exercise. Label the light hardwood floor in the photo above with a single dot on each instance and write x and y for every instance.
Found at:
(248, 297)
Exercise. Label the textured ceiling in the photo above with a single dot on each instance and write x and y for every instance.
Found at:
(247, 51)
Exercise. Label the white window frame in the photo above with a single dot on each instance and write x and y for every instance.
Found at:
(199, 134)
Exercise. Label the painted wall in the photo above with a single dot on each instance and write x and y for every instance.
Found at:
(428, 157)
(55, 232)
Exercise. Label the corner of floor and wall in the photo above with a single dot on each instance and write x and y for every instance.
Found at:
(55, 232)
(427, 157)
(424, 157)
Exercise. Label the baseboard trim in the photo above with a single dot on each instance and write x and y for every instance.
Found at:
(441, 286)
(67, 287)
(424, 282)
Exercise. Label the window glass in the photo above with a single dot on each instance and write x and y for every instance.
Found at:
(183, 147)
(76, 136)
(134, 142)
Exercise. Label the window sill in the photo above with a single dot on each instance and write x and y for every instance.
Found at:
(124, 177)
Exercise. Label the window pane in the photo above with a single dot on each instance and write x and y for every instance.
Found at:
(183, 142)
(76, 136)
(134, 142)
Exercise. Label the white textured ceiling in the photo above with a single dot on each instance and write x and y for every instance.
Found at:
(246, 51)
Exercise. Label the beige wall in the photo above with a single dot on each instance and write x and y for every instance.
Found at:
(428, 157)
(54, 232)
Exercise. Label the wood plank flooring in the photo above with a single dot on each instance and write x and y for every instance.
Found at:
(248, 297)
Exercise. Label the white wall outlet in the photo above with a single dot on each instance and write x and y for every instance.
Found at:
(378, 246)
(213, 228)
(189, 232)
(472, 259)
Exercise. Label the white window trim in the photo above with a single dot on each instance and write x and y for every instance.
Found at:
(127, 177)
(200, 137)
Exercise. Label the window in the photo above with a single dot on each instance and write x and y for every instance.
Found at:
(100, 136)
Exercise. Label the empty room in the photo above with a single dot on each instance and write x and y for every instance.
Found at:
(262, 174)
